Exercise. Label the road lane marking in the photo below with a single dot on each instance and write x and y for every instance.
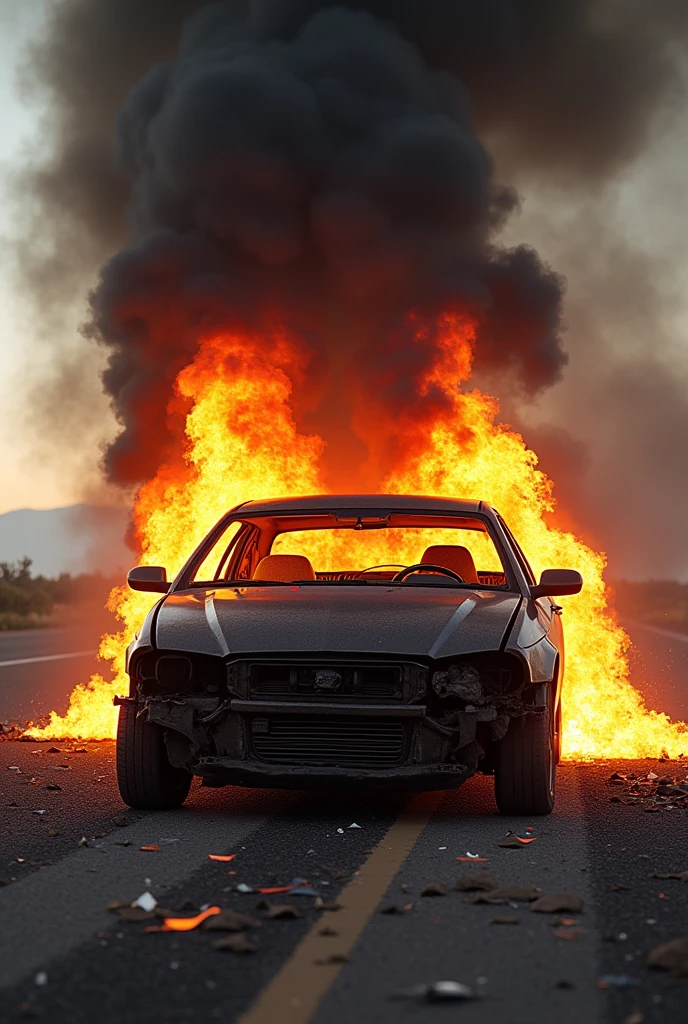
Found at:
(45, 657)
(447, 938)
(293, 995)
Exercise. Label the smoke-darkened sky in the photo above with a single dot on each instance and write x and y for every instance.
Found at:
(560, 104)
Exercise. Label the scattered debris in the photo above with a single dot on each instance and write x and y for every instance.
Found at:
(54, 787)
(652, 792)
(617, 981)
(121, 821)
(505, 919)
(302, 890)
(230, 921)
(433, 889)
(554, 902)
(618, 887)
(354, 825)
(513, 842)
(506, 893)
(681, 876)
(238, 943)
(39, 812)
(153, 848)
(437, 992)
(328, 932)
(185, 924)
(562, 922)
(392, 908)
(332, 905)
(53, 750)
(278, 911)
(224, 858)
(146, 901)
(476, 881)
(41, 979)
(242, 887)
(334, 958)
(671, 956)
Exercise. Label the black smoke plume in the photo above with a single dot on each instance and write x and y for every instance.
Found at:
(326, 171)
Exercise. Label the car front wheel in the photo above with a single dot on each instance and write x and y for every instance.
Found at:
(525, 766)
(146, 779)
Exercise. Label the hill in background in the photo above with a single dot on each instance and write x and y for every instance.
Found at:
(74, 539)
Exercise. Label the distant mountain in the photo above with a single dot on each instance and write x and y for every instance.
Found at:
(78, 538)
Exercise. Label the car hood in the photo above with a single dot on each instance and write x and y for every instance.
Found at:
(430, 622)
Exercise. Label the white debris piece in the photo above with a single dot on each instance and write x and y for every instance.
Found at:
(354, 825)
(146, 901)
(438, 991)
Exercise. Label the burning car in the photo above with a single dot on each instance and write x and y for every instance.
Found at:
(373, 640)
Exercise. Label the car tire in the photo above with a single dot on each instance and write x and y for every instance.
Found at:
(525, 766)
(146, 779)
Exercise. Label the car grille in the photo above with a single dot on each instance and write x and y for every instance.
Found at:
(359, 683)
(329, 742)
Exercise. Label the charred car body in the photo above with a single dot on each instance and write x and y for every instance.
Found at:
(257, 668)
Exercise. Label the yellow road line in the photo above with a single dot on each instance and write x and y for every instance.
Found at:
(294, 993)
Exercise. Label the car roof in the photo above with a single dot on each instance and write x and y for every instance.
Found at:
(360, 502)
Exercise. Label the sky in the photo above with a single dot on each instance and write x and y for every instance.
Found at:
(29, 480)
(22, 484)
(612, 331)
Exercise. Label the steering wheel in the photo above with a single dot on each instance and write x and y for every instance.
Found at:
(391, 565)
(426, 567)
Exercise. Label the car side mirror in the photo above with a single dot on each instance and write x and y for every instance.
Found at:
(557, 583)
(149, 578)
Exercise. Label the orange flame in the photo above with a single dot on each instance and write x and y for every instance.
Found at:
(242, 442)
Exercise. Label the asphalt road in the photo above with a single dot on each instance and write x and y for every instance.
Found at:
(65, 958)
(39, 668)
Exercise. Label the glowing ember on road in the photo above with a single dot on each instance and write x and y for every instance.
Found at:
(242, 442)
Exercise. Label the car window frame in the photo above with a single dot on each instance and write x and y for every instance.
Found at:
(506, 552)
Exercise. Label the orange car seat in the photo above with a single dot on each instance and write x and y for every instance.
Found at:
(454, 557)
(284, 568)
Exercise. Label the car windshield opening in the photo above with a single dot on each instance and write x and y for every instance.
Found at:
(355, 549)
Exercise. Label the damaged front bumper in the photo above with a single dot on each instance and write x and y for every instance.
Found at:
(305, 744)
(226, 771)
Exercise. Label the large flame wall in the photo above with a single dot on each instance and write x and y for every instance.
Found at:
(242, 442)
